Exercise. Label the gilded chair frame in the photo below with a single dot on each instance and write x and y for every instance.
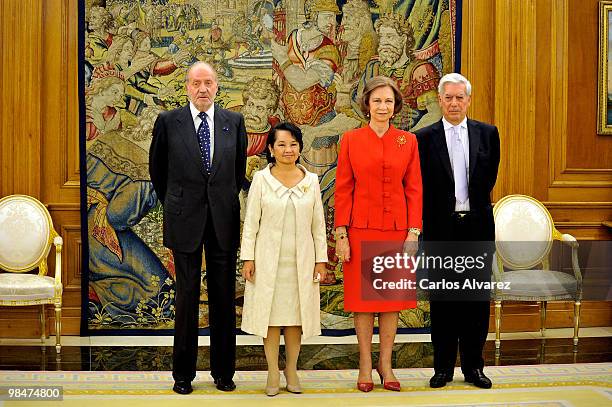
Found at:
(502, 261)
(41, 263)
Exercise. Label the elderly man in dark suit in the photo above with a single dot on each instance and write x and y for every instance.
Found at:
(459, 162)
(197, 165)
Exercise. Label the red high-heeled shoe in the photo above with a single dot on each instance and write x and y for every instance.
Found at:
(394, 386)
(365, 386)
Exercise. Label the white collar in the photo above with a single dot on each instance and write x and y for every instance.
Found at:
(448, 125)
(299, 189)
(195, 112)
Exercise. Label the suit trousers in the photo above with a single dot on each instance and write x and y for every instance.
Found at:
(463, 323)
(221, 287)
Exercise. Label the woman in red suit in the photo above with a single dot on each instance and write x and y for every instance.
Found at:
(378, 198)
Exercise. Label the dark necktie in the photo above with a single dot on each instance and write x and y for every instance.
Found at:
(204, 141)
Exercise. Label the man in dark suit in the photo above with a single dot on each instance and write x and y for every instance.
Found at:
(459, 162)
(197, 165)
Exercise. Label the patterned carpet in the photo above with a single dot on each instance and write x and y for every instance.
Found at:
(539, 385)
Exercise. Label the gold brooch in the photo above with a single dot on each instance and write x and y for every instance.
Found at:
(401, 140)
(305, 188)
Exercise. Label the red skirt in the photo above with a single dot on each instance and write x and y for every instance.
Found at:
(356, 297)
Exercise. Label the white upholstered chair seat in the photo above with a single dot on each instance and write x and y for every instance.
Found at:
(538, 285)
(26, 287)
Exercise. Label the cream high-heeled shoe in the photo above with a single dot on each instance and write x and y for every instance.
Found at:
(272, 386)
(293, 387)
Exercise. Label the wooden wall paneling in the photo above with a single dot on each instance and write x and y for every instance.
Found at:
(61, 149)
(23, 322)
(585, 149)
(515, 79)
(69, 227)
(20, 322)
(21, 36)
(54, 90)
(582, 219)
(584, 230)
(72, 180)
(558, 80)
(477, 52)
(61, 137)
(519, 317)
(579, 211)
(543, 99)
(581, 161)
(67, 224)
(579, 198)
(578, 191)
(21, 33)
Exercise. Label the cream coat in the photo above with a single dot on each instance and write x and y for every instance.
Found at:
(261, 241)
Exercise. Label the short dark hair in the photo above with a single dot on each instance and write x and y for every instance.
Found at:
(379, 82)
(295, 131)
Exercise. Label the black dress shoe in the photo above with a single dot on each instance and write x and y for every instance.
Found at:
(225, 384)
(182, 387)
(478, 378)
(440, 379)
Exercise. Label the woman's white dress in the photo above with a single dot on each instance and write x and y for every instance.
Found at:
(286, 300)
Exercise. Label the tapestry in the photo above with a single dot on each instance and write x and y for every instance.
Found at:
(304, 61)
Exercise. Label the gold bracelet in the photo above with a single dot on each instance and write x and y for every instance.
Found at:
(416, 231)
(341, 235)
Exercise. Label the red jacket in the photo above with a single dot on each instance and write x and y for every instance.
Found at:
(378, 181)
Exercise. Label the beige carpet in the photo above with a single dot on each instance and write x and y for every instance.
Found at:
(538, 385)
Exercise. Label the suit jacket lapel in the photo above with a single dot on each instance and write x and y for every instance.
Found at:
(221, 138)
(190, 138)
(474, 138)
(439, 139)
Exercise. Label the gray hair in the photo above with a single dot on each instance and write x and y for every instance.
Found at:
(455, 78)
(203, 64)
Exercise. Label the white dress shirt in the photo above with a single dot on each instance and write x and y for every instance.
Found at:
(463, 134)
(210, 118)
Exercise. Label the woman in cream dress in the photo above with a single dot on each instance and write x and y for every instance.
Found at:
(284, 249)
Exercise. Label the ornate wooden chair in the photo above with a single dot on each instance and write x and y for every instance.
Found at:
(26, 236)
(524, 235)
